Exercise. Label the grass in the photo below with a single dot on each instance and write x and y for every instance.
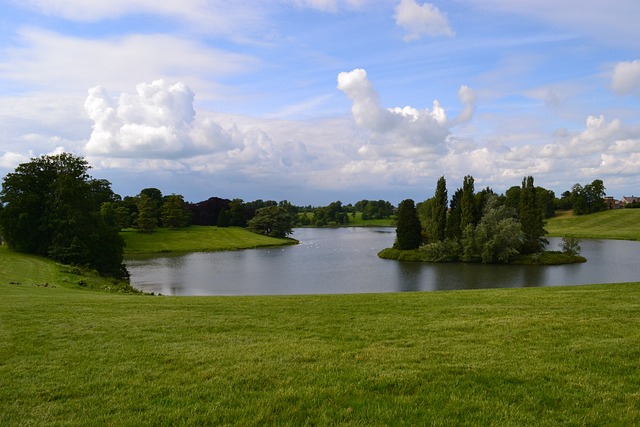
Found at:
(620, 224)
(359, 222)
(24, 270)
(541, 356)
(197, 239)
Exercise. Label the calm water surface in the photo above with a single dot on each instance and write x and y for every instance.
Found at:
(344, 260)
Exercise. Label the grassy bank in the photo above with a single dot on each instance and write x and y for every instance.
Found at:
(33, 271)
(545, 356)
(197, 239)
(621, 224)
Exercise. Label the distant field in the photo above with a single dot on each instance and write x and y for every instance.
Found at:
(359, 222)
(621, 224)
(197, 239)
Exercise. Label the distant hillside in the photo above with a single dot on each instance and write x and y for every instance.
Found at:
(621, 224)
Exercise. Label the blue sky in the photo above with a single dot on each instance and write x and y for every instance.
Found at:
(321, 100)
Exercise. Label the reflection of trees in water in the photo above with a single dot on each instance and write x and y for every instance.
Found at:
(409, 276)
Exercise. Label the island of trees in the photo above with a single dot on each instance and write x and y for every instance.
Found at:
(483, 227)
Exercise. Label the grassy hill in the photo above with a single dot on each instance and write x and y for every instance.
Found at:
(621, 224)
(197, 239)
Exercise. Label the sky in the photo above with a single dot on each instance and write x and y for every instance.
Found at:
(314, 101)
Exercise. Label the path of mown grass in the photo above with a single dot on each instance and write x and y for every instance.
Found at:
(197, 239)
(621, 224)
(543, 356)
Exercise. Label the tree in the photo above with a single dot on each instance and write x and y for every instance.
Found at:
(146, 221)
(52, 207)
(497, 238)
(531, 218)
(467, 205)
(453, 230)
(571, 245)
(588, 199)
(272, 221)
(223, 219)
(409, 230)
(439, 210)
(174, 213)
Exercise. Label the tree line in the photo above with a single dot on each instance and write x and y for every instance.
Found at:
(51, 206)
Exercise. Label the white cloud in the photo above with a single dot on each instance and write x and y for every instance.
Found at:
(73, 63)
(420, 20)
(233, 19)
(158, 121)
(626, 78)
(401, 131)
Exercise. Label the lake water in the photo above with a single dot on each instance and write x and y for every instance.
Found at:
(344, 260)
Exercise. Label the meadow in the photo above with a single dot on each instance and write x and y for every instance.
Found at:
(620, 224)
(197, 239)
(71, 354)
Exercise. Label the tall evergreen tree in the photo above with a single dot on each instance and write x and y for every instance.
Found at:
(439, 210)
(409, 230)
(453, 230)
(467, 203)
(531, 218)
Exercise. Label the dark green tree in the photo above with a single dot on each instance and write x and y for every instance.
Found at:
(51, 207)
(453, 230)
(467, 203)
(272, 221)
(146, 220)
(409, 230)
(156, 198)
(589, 199)
(531, 218)
(439, 210)
(237, 213)
(512, 198)
(174, 212)
(223, 219)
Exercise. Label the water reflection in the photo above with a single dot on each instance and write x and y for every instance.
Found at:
(345, 260)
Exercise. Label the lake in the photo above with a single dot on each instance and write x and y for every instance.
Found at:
(344, 260)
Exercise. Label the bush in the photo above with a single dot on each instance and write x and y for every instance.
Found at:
(447, 250)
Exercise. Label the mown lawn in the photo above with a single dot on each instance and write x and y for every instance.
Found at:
(621, 224)
(540, 356)
(197, 239)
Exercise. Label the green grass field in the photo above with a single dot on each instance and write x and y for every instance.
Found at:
(359, 222)
(621, 224)
(197, 239)
(546, 356)
(72, 356)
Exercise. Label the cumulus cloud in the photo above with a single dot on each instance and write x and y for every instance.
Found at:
(400, 131)
(421, 19)
(159, 122)
(156, 121)
(626, 78)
